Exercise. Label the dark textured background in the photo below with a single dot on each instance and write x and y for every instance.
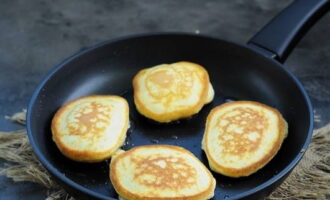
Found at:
(36, 35)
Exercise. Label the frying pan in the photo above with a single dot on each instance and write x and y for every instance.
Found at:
(237, 72)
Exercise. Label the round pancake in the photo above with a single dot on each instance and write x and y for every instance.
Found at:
(169, 92)
(160, 172)
(242, 136)
(91, 128)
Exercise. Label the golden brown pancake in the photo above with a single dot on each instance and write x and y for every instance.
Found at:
(160, 172)
(92, 128)
(168, 92)
(242, 136)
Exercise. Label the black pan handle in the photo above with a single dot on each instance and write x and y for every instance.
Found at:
(278, 38)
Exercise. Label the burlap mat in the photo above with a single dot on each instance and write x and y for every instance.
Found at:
(309, 180)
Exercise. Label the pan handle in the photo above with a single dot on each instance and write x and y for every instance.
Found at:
(278, 38)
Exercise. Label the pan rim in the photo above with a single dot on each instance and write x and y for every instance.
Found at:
(55, 172)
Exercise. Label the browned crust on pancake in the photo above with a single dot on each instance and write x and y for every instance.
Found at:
(246, 171)
(84, 156)
(131, 196)
(175, 115)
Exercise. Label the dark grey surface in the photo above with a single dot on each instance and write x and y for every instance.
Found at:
(36, 35)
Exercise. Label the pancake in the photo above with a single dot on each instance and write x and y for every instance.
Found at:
(160, 172)
(169, 92)
(242, 136)
(92, 128)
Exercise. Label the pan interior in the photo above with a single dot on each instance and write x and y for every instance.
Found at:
(235, 72)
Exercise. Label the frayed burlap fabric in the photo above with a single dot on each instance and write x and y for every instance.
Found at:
(309, 180)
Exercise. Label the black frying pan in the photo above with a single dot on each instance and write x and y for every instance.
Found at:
(237, 72)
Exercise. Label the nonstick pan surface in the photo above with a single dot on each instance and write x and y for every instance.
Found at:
(236, 72)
